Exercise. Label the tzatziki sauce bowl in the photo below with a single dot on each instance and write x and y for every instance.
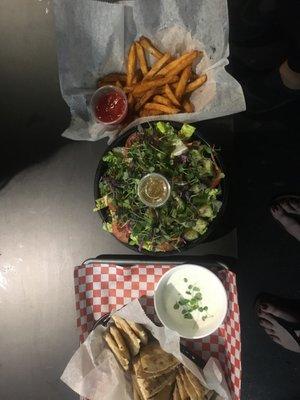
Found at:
(190, 300)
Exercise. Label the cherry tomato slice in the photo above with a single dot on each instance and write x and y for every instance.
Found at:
(134, 137)
(121, 232)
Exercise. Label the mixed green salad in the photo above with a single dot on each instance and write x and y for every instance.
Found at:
(192, 171)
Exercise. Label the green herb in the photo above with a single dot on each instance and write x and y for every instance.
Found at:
(193, 303)
(182, 301)
(185, 280)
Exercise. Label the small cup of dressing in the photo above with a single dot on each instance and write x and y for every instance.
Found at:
(154, 190)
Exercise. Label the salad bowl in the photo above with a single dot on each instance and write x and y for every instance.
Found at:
(179, 153)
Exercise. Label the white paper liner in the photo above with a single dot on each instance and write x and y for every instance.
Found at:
(94, 373)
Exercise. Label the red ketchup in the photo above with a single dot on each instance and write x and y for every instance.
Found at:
(110, 107)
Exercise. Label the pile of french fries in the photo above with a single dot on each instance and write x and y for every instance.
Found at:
(161, 88)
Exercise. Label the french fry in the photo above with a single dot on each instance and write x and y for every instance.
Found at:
(162, 100)
(130, 100)
(158, 65)
(161, 107)
(179, 62)
(119, 85)
(113, 77)
(196, 84)
(149, 113)
(131, 64)
(181, 66)
(188, 106)
(127, 89)
(171, 95)
(181, 85)
(141, 57)
(143, 100)
(147, 44)
(146, 85)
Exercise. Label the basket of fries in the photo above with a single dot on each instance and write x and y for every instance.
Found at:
(167, 57)
(157, 83)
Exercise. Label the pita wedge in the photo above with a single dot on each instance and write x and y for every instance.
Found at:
(136, 390)
(120, 341)
(165, 394)
(182, 392)
(149, 387)
(112, 344)
(139, 331)
(199, 389)
(136, 396)
(176, 395)
(137, 367)
(132, 340)
(140, 373)
(189, 388)
(155, 360)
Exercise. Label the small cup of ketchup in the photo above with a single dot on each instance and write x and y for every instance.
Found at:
(109, 105)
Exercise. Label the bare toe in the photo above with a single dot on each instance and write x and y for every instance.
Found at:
(265, 323)
(270, 332)
(277, 212)
(277, 310)
(275, 339)
(287, 206)
(296, 206)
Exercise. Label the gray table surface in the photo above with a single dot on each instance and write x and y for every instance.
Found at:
(47, 225)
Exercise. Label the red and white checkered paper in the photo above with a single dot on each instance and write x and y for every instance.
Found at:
(102, 288)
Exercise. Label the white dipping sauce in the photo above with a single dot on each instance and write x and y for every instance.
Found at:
(174, 288)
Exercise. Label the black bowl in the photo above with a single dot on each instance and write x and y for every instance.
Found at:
(119, 142)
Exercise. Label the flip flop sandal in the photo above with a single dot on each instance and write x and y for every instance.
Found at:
(282, 329)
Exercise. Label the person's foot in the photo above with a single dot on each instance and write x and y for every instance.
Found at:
(290, 78)
(266, 92)
(283, 212)
(280, 318)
